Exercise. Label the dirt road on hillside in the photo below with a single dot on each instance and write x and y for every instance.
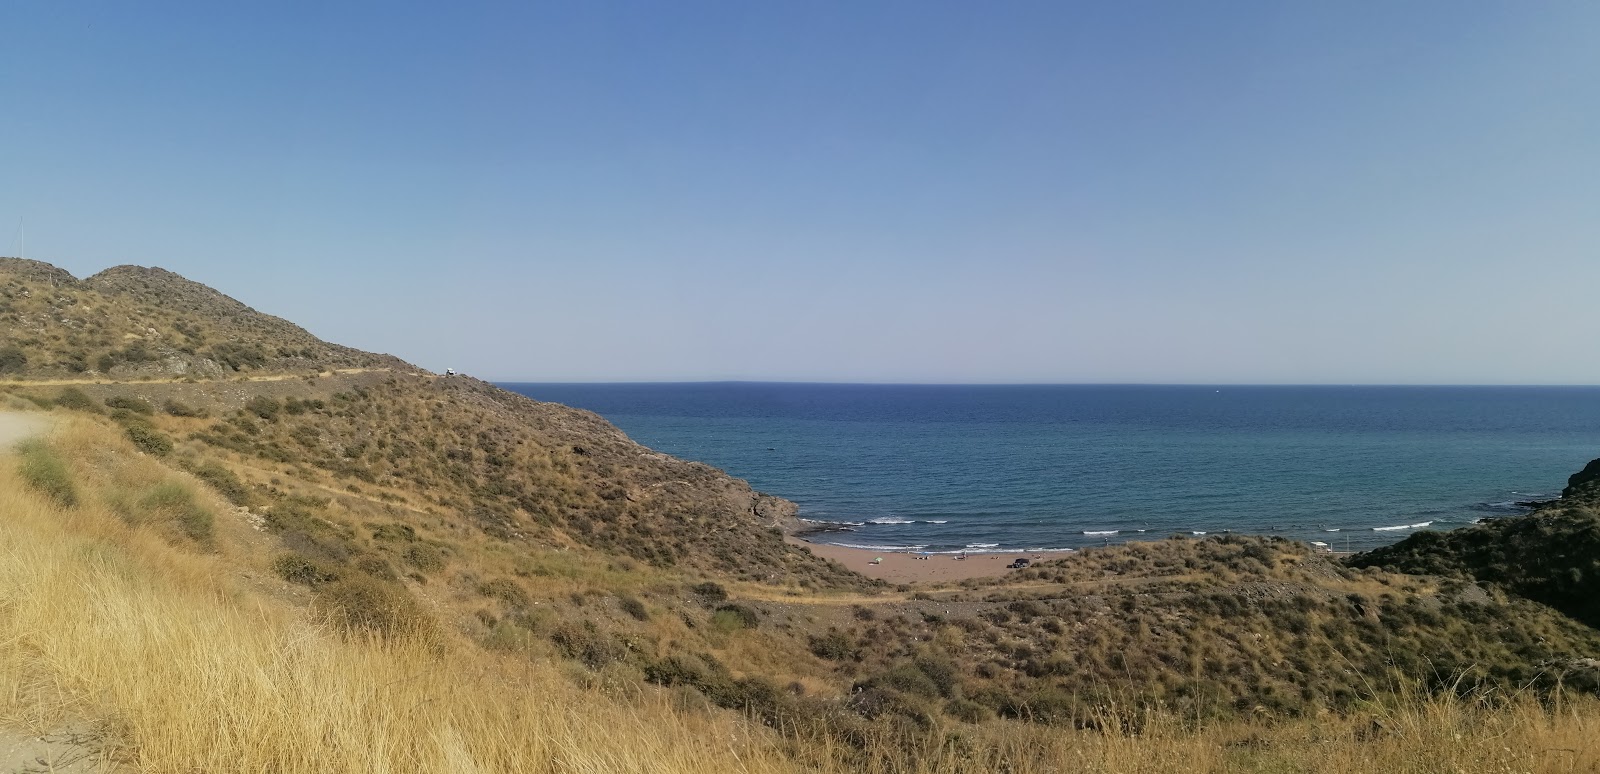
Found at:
(179, 379)
(15, 427)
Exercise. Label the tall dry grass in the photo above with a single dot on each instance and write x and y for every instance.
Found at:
(190, 662)
(188, 669)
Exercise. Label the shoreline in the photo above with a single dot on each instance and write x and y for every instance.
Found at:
(911, 567)
(905, 567)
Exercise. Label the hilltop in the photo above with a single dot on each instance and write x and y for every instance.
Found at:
(495, 540)
(131, 322)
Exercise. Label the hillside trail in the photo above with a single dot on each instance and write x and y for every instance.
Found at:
(179, 380)
(67, 750)
(16, 426)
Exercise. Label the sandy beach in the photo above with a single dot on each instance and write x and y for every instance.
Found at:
(910, 568)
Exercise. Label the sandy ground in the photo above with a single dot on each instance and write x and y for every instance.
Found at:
(908, 568)
(64, 752)
(67, 750)
(15, 427)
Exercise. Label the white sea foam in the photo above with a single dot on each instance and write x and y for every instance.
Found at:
(1198, 532)
(1101, 532)
(825, 522)
(983, 545)
(890, 520)
(880, 548)
(1335, 529)
(1418, 525)
(937, 521)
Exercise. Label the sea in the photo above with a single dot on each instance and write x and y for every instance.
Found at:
(935, 468)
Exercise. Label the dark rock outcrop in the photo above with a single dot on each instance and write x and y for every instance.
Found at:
(1551, 555)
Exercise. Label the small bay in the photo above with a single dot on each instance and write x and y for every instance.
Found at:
(948, 468)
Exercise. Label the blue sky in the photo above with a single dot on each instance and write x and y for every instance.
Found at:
(1361, 192)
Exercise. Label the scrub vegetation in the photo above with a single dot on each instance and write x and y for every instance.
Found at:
(388, 570)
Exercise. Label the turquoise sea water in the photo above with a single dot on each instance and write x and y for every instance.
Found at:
(947, 468)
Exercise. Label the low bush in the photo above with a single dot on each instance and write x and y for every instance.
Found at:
(834, 645)
(174, 503)
(148, 439)
(632, 606)
(178, 408)
(710, 591)
(424, 557)
(505, 590)
(303, 570)
(225, 482)
(734, 617)
(264, 407)
(130, 403)
(12, 360)
(75, 399)
(364, 604)
(43, 470)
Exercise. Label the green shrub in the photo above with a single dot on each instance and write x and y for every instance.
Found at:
(43, 470)
(834, 646)
(239, 356)
(710, 591)
(907, 678)
(505, 590)
(225, 482)
(424, 557)
(587, 644)
(130, 403)
(733, 617)
(12, 360)
(402, 533)
(148, 439)
(264, 407)
(364, 604)
(377, 567)
(968, 711)
(303, 570)
(174, 502)
(178, 408)
(632, 606)
(75, 399)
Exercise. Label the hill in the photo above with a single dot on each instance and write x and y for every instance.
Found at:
(1550, 556)
(131, 322)
(413, 523)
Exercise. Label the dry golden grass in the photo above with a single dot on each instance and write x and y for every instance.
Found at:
(191, 662)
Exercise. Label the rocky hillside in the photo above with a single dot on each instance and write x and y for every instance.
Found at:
(485, 460)
(401, 500)
(131, 322)
(1550, 556)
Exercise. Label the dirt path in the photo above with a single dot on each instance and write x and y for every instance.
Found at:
(16, 426)
(176, 380)
(64, 752)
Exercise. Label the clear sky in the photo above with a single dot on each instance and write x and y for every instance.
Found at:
(1209, 192)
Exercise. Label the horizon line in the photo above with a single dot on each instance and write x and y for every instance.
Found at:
(801, 382)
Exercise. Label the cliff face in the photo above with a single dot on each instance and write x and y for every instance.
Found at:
(1551, 555)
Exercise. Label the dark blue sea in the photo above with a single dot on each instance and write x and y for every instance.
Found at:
(1017, 468)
